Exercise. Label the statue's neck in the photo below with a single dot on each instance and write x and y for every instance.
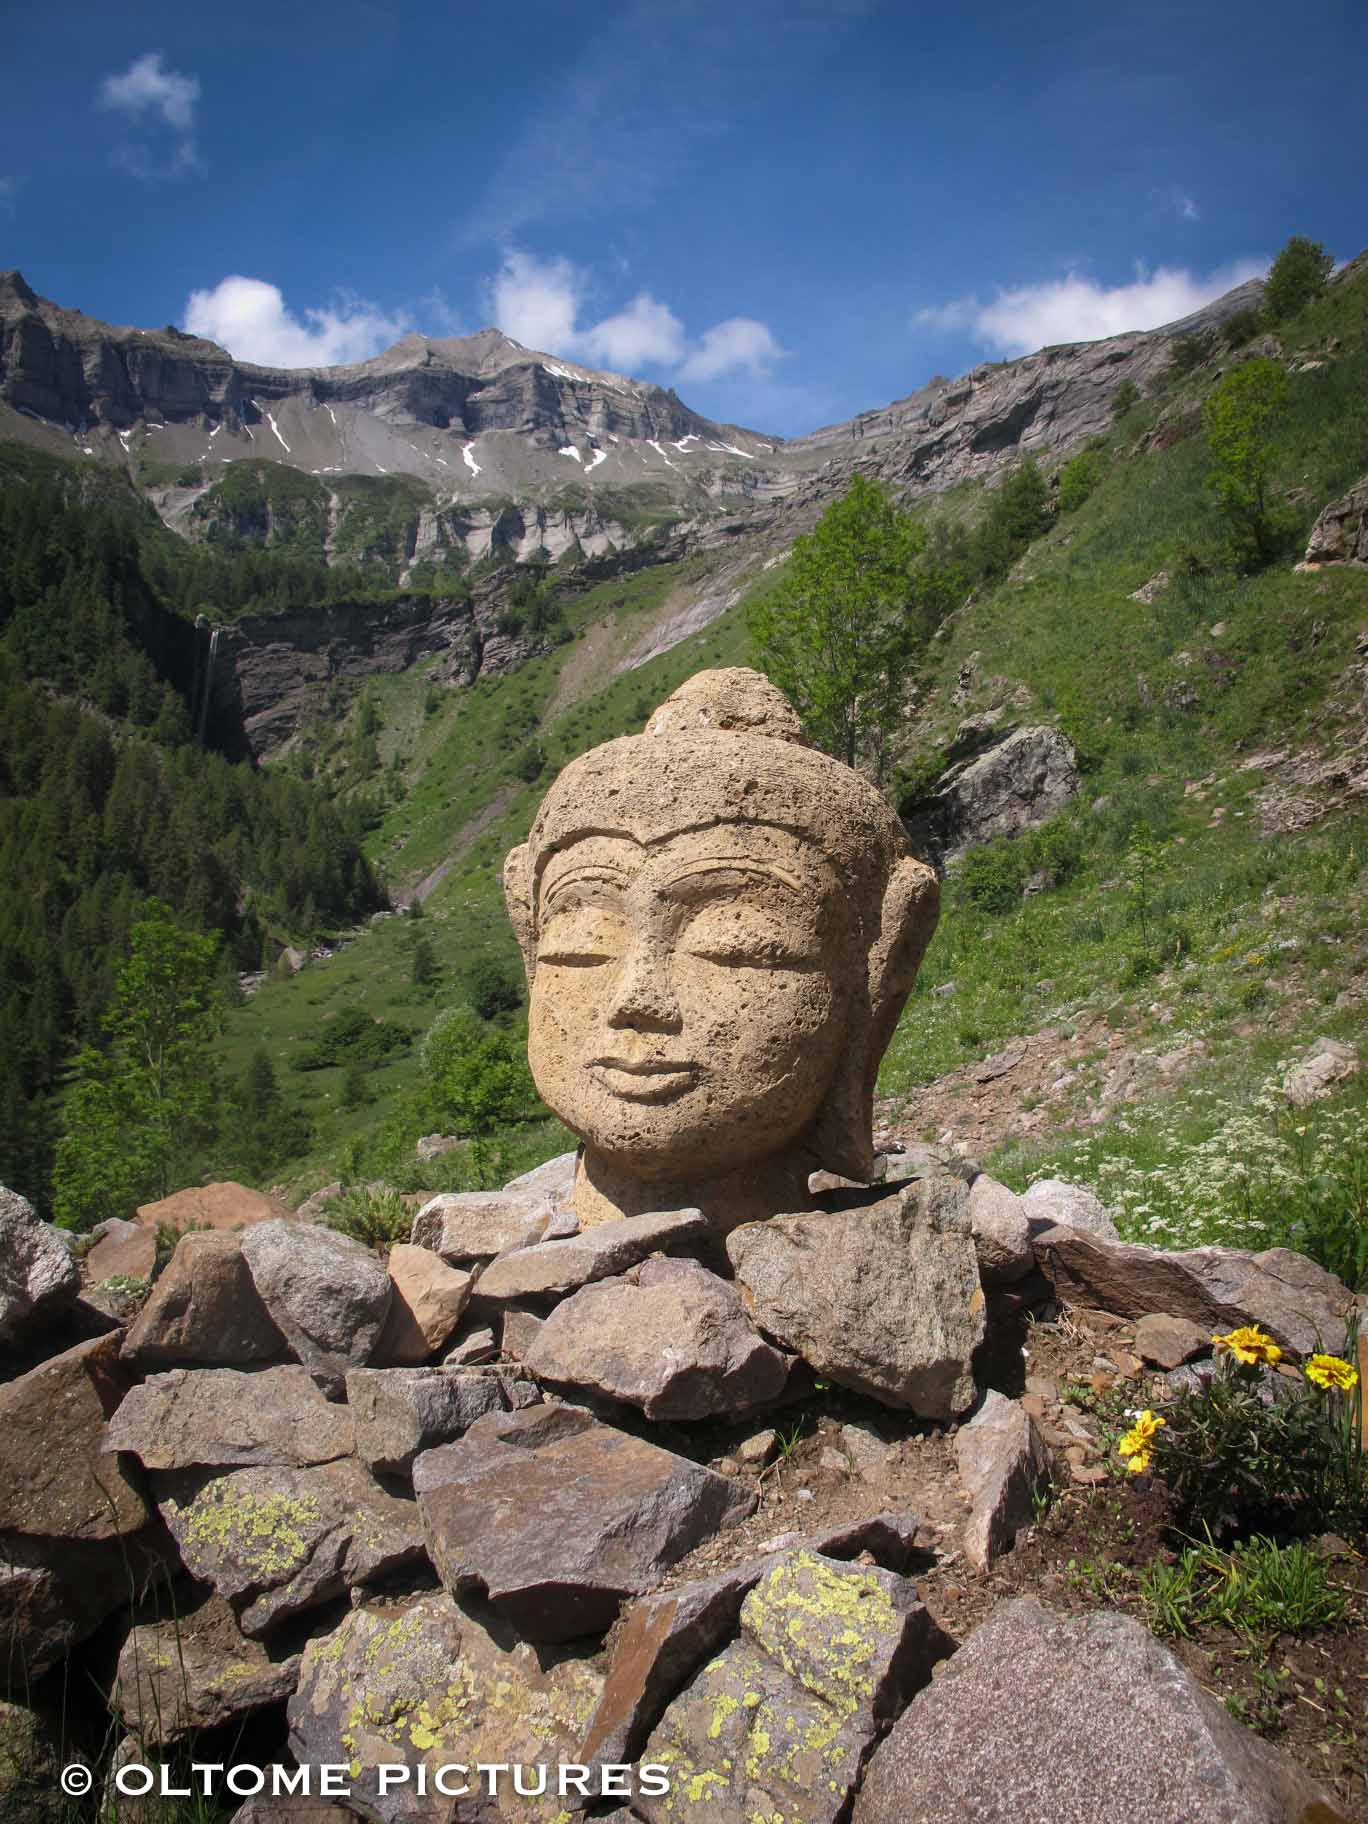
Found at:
(751, 1193)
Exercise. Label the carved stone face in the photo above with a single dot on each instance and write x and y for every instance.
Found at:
(685, 1013)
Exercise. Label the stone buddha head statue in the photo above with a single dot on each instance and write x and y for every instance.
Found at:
(720, 927)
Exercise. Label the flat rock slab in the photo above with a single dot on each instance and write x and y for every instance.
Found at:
(37, 1274)
(224, 1419)
(205, 1311)
(465, 1226)
(885, 1299)
(1061, 1720)
(429, 1297)
(433, 1684)
(1168, 1342)
(401, 1412)
(126, 1250)
(227, 1207)
(276, 1541)
(58, 1477)
(668, 1337)
(1298, 1303)
(780, 1723)
(557, 1518)
(557, 1267)
(554, 1180)
(329, 1295)
(195, 1672)
(1002, 1462)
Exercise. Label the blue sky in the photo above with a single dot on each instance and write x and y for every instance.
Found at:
(790, 210)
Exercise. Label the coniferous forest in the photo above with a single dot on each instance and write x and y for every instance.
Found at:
(108, 800)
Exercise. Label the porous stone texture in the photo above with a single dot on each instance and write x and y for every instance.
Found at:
(885, 1299)
(435, 1683)
(401, 1412)
(1340, 534)
(1168, 1342)
(1002, 1232)
(58, 1477)
(465, 1226)
(328, 1294)
(126, 1250)
(1328, 1064)
(429, 1297)
(1002, 1462)
(668, 1337)
(1052, 1200)
(780, 1723)
(204, 1311)
(195, 1672)
(1114, 1727)
(752, 922)
(37, 1274)
(225, 1206)
(219, 1418)
(556, 1267)
(1299, 1304)
(276, 1541)
(556, 1518)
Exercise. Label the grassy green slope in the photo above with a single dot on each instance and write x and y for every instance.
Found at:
(1239, 940)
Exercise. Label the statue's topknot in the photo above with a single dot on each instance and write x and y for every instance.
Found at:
(738, 700)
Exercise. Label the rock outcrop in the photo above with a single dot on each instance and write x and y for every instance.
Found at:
(1340, 534)
(1022, 780)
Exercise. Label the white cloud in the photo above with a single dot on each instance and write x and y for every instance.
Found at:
(741, 343)
(646, 334)
(540, 303)
(249, 317)
(146, 85)
(1187, 208)
(1077, 309)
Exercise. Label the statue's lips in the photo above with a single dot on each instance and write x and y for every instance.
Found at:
(652, 1080)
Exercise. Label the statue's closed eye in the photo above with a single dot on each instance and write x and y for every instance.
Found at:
(743, 937)
(580, 935)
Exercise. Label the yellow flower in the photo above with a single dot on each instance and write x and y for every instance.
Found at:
(1331, 1371)
(1139, 1439)
(1249, 1345)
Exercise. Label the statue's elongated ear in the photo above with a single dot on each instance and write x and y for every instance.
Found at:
(843, 1131)
(518, 898)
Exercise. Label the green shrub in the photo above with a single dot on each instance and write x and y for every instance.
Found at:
(1296, 278)
(1241, 328)
(475, 1076)
(1125, 398)
(992, 877)
(1259, 1589)
(1079, 476)
(353, 1038)
(377, 1217)
(491, 987)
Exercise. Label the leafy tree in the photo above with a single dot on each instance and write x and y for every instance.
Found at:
(1018, 511)
(1239, 418)
(133, 1111)
(840, 632)
(476, 1078)
(1295, 278)
(491, 987)
(1077, 479)
(424, 963)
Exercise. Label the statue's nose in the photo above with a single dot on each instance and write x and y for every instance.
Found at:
(642, 995)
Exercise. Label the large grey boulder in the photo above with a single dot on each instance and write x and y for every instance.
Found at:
(465, 1226)
(219, 1418)
(556, 1518)
(401, 1412)
(552, 1268)
(1002, 1462)
(1018, 783)
(885, 1299)
(1319, 1074)
(328, 1295)
(1070, 1720)
(204, 1311)
(194, 1672)
(37, 1274)
(668, 1336)
(430, 1684)
(1052, 1200)
(778, 1725)
(1340, 534)
(277, 1541)
(1299, 1304)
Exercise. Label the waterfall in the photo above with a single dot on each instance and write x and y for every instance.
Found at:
(208, 682)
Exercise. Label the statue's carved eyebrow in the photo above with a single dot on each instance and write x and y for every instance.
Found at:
(771, 873)
(586, 872)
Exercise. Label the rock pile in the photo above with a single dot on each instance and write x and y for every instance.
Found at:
(434, 1511)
